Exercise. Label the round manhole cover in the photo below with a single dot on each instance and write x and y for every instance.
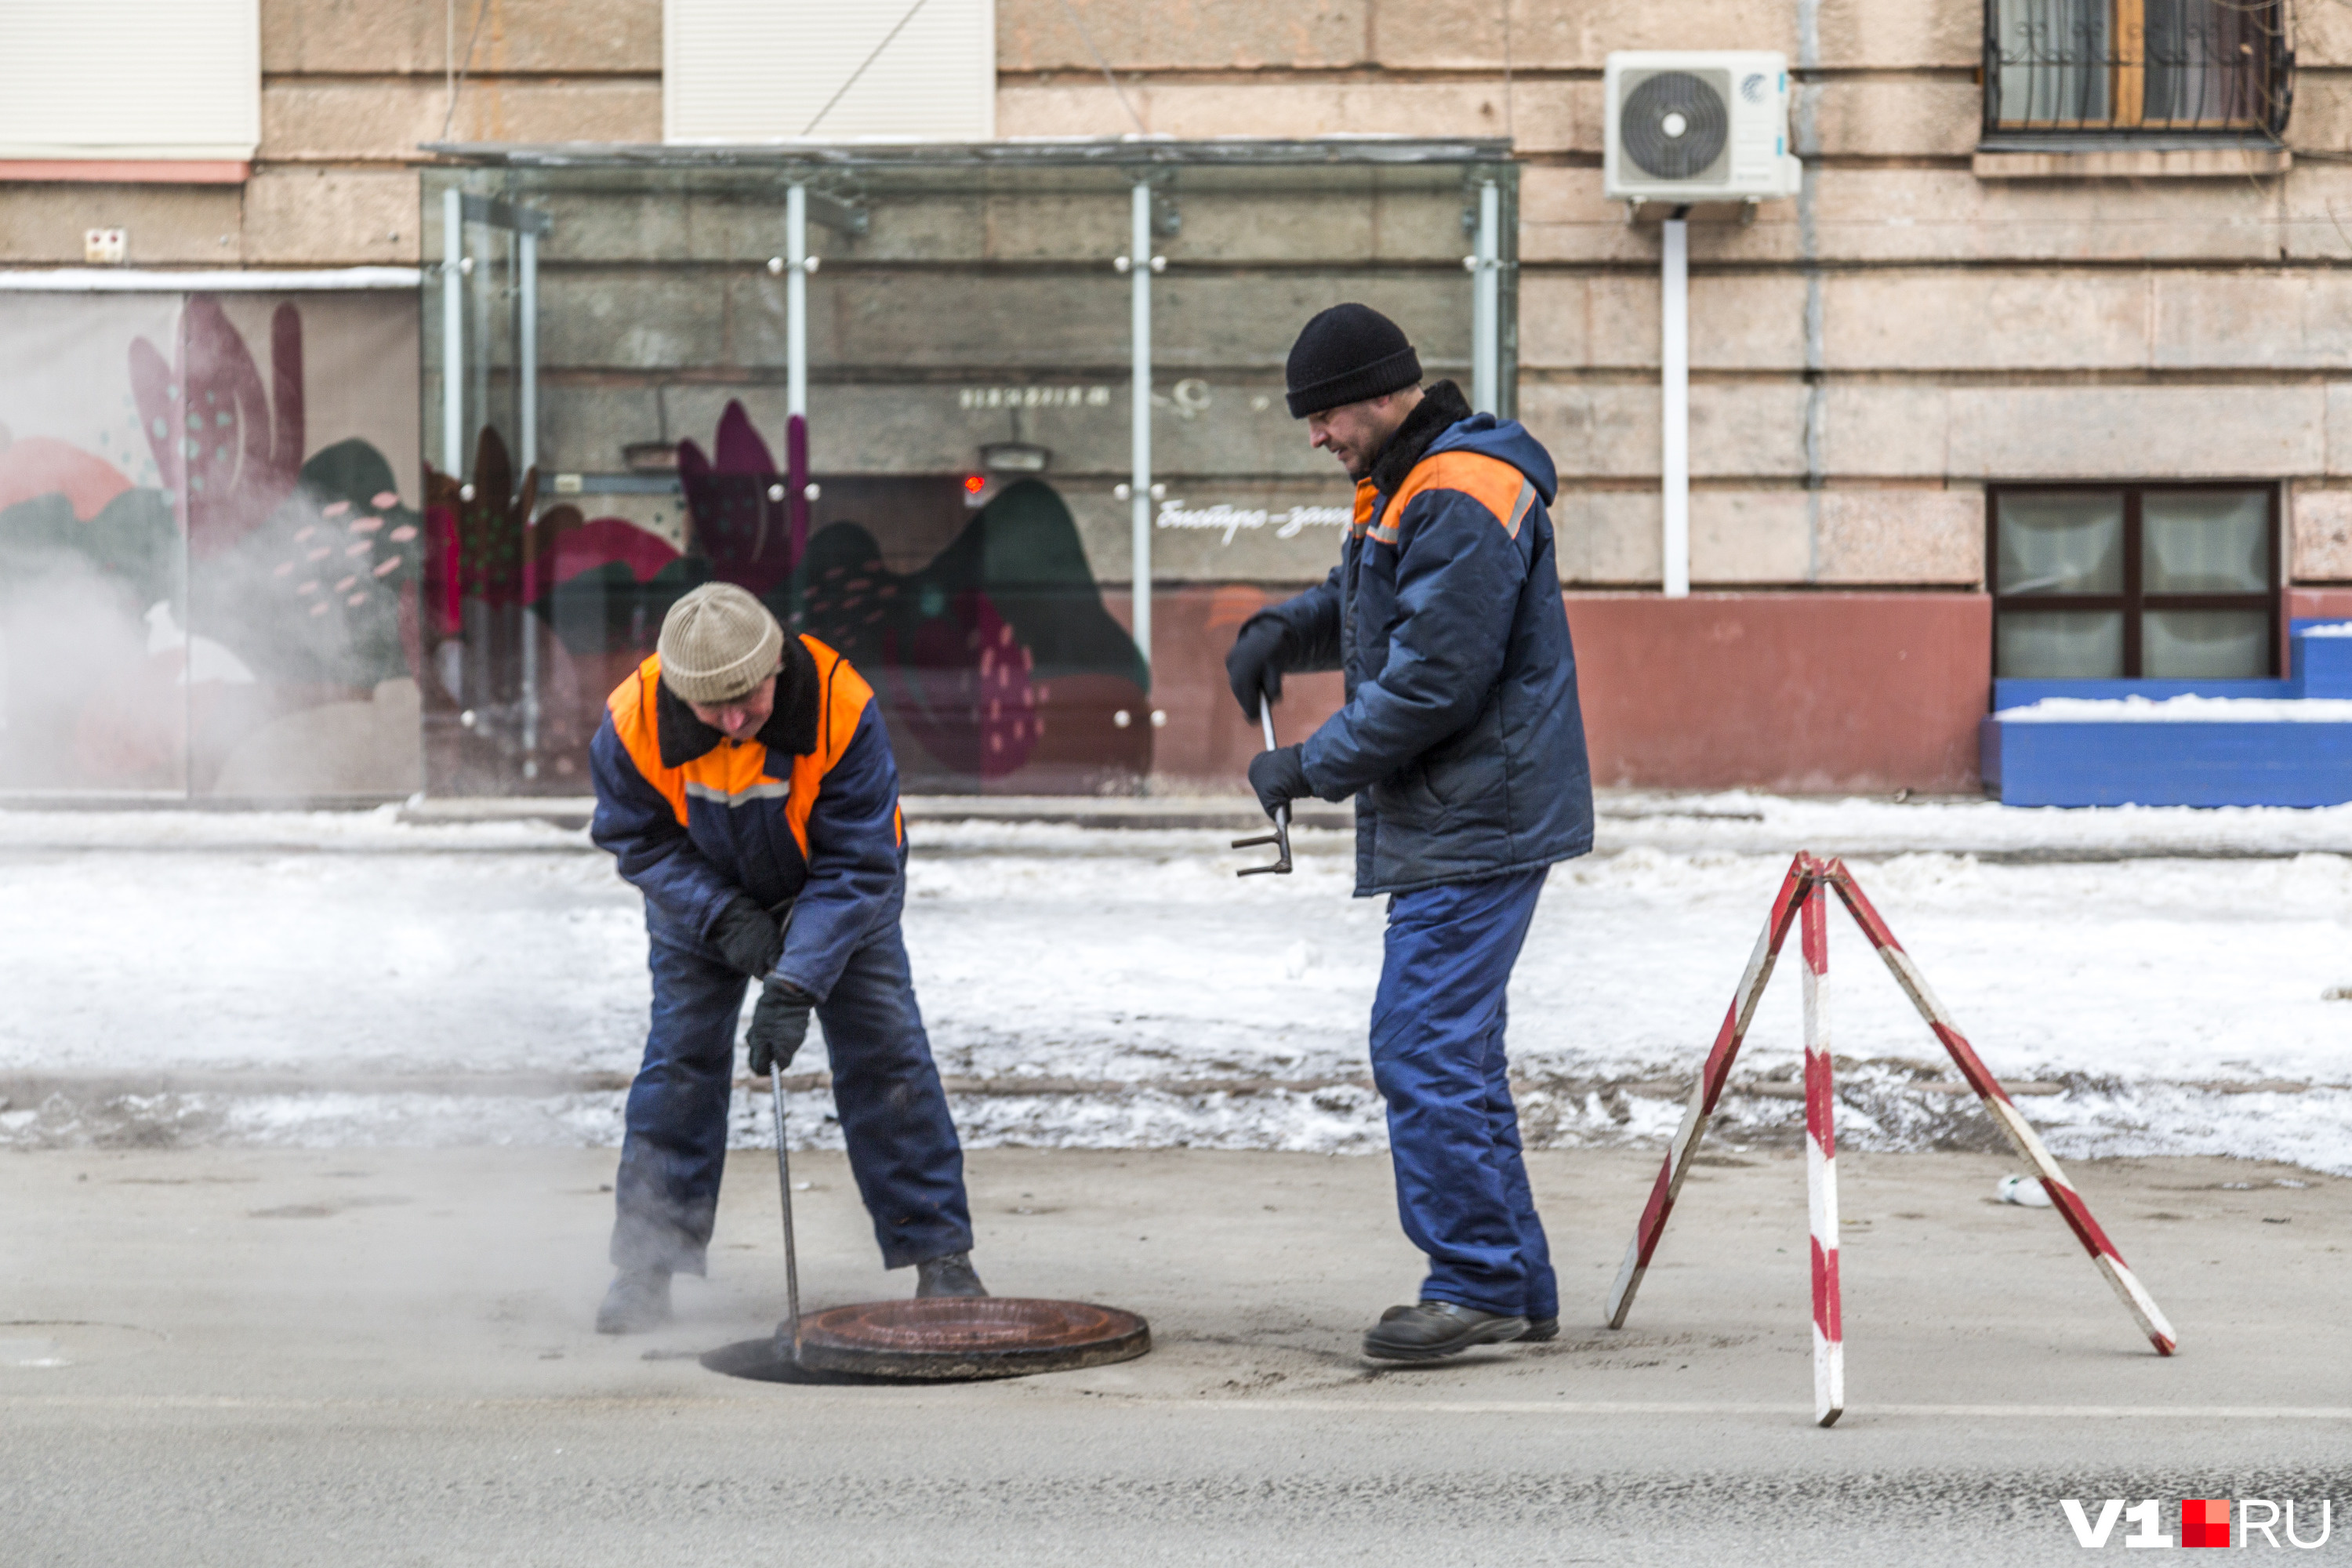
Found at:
(951, 1338)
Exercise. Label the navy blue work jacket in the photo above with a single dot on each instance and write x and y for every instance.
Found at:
(1461, 739)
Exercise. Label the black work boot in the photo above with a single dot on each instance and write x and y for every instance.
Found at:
(637, 1300)
(950, 1276)
(1540, 1330)
(1432, 1330)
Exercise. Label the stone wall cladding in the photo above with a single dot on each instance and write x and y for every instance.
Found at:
(1971, 331)
(348, 92)
(2320, 545)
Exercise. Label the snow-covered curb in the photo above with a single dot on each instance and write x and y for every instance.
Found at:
(1148, 997)
(1736, 821)
(1881, 1110)
(2181, 710)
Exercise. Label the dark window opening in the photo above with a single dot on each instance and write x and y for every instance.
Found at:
(2124, 582)
(2137, 67)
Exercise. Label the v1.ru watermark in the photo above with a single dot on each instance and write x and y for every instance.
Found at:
(2204, 1522)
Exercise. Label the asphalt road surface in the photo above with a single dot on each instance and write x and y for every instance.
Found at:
(384, 1357)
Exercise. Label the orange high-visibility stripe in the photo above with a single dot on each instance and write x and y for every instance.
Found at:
(632, 707)
(841, 697)
(1490, 482)
(1368, 503)
(736, 770)
(730, 774)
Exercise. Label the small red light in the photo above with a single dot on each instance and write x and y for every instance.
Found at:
(974, 483)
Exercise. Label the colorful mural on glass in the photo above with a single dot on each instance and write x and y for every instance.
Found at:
(997, 663)
(190, 598)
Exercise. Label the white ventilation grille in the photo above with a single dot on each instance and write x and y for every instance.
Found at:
(130, 79)
(756, 70)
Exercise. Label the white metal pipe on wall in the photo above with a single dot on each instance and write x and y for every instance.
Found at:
(796, 300)
(1485, 304)
(1674, 362)
(1140, 497)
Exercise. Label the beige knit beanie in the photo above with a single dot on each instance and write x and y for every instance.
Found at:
(717, 643)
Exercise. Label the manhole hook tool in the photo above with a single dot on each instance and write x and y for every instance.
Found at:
(1280, 836)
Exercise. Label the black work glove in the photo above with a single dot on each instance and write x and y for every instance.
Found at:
(747, 937)
(1279, 777)
(1256, 663)
(779, 1024)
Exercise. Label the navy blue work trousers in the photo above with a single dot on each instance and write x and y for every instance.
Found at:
(1454, 1134)
(903, 1149)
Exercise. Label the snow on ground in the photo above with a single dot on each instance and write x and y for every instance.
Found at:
(1743, 823)
(328, 979)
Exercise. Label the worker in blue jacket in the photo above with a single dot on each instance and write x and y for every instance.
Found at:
(745, 784)
(1462, 743)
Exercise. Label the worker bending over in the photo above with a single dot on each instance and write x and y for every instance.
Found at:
(745, 784)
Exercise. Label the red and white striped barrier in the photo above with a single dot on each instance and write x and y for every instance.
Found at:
(1705, 1092)
(1802, 897)
(1820, 1161)
(2028, 1144)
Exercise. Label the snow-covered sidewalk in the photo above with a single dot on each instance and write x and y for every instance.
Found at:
(343, 978)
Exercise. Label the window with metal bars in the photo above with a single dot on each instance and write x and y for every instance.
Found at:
(2144, 581)
(2137, 68)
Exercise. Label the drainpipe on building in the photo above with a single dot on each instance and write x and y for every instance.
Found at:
(1674, 362)
(1806, 143)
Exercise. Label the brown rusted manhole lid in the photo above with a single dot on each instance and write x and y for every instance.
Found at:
(951, 1337)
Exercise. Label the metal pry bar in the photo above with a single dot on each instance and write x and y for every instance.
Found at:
(788, 1333)
(1280, 836)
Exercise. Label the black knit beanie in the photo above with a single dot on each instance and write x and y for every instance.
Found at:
(1345, 355)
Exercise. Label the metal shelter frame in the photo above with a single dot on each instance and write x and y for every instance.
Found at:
(813, 173)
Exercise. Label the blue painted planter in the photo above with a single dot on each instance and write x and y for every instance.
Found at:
(2167, 763)
(2172, 761)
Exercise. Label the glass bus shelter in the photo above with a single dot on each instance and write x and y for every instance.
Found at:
(967, 413)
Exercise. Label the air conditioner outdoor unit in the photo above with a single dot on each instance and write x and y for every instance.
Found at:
(1697, 126)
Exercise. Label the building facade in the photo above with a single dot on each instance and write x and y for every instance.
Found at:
(2038, 375)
